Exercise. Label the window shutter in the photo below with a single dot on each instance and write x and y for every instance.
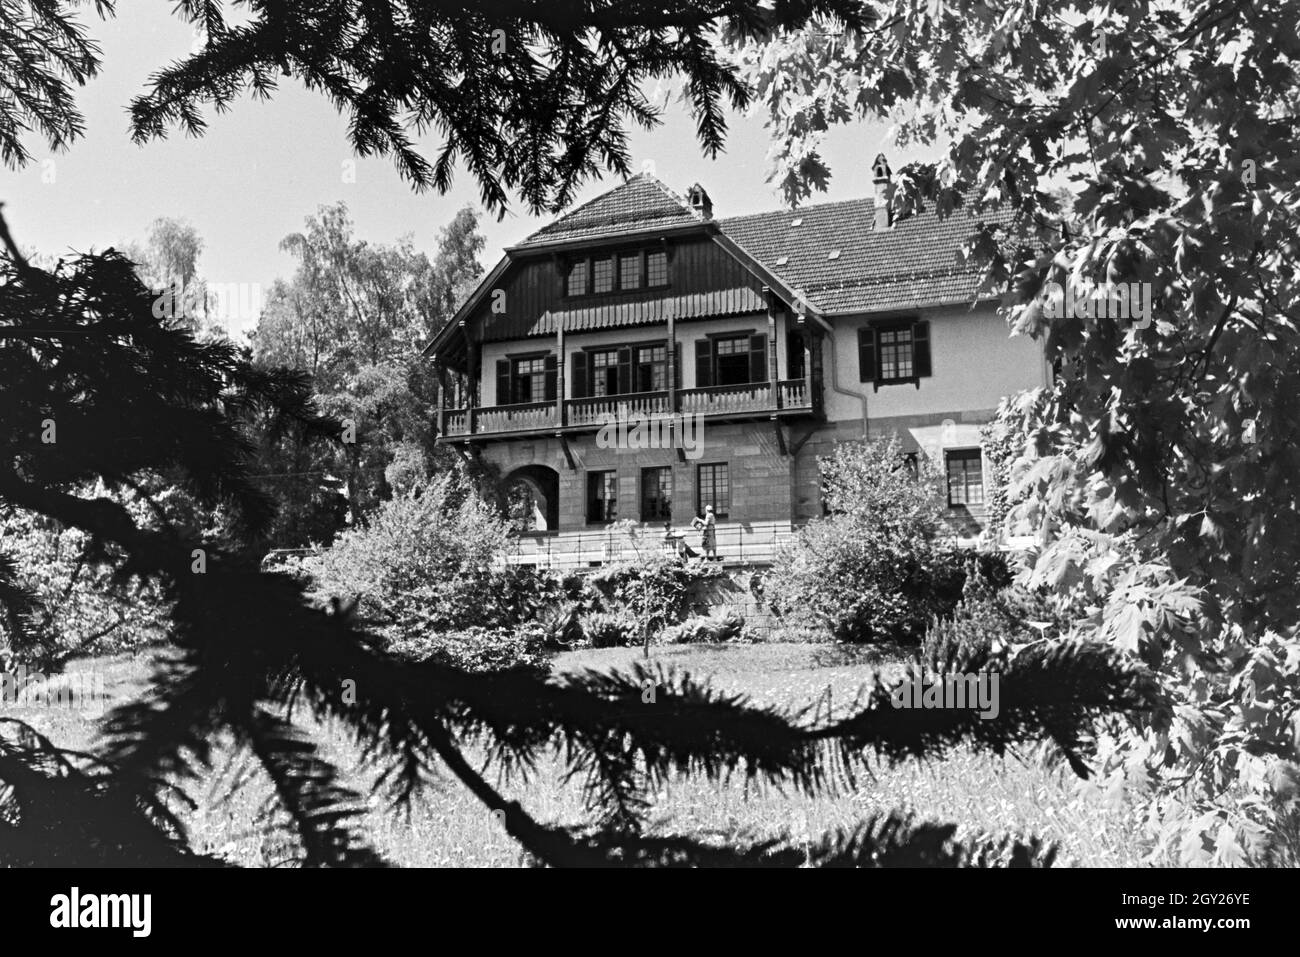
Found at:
(503, 382)
(758, 358)
(624, 371)
(703, 363)
(921, 349)
(677, 365)
(551, 372)
(866, 354)
(578, 385)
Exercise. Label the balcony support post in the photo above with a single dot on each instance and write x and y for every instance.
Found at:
(670, 360)
(772, 369)
(561, 413)
(441, 415)
(670, 375)
(473, 354)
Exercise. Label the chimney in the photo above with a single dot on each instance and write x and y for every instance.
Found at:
(880, 177)
(700, 201)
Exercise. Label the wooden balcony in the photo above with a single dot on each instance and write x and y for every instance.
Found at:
(759, 399)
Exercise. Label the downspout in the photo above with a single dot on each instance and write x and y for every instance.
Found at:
(835, 371)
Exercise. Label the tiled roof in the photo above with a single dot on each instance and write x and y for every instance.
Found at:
(641, 203)
(831, 254)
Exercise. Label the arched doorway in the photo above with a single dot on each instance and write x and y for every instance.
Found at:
(533, 499)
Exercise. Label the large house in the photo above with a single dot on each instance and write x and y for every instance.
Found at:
(641, 357)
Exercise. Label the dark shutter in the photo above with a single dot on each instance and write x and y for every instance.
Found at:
(703, 363)
(550, 378)
(503, 382)
(921, 349)
(758, 358)
(625, 384)
(866, 354)
(677, 365)
(578, 383)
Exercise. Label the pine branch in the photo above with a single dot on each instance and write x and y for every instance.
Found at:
(531, 98)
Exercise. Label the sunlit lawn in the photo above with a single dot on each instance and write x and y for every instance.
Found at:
(448, 827)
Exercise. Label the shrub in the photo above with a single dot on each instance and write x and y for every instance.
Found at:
(611, 629)
(478, 649)
(988, 619)
(430, 560)
(875, 569)
(654, 590)
(77, 604)
(716, 628)
(427, 575)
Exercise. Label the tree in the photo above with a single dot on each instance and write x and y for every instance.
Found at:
(45, 52)
(1160, 468)
(353, 317)
(169, 263)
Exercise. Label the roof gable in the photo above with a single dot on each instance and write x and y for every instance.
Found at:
(642, 203)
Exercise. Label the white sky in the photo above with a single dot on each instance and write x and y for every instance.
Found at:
(262, 167)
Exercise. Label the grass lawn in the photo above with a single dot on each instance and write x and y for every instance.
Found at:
(448, 827)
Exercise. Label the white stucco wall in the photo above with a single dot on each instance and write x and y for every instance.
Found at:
(974, 359)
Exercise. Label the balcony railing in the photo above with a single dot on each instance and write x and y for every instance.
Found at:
(594, 411)
(755, 397)
(791, 395)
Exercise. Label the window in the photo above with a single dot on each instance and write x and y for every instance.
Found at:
(602, 275)
(714, 489)
(604, 372)
(602, 497)
(894, 352)
(577, 284)
(656, 494)
(656, 268)
(965, 477)
(651, 369)
(528, 380)
(730, 360)
(621, 371)
(629, 271)
(895, 347)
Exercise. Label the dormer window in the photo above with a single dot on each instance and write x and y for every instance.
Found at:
(600, 275)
